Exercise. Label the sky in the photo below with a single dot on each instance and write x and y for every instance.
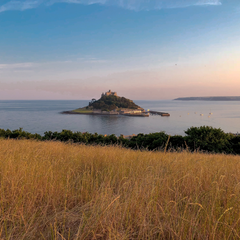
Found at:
(142, 49)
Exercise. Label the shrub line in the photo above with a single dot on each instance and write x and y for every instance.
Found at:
(204, 138)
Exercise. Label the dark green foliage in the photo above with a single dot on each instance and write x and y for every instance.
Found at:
(150, 141)
(109, 103)
(19, 134)
(208, 139)
(235, 143)
(123, 142)
(176, 142)
(197, 138)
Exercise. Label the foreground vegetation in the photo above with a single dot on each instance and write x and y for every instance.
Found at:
(203, 138)
(52, 190)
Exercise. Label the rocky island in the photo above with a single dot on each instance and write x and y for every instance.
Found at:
(111, 104)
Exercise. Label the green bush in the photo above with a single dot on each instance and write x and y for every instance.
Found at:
(176, 142)
(197, 138)
(208, 139)
(235, 143)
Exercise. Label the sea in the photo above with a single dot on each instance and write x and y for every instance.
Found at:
(40, 116)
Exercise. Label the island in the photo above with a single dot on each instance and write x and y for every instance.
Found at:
(231, 98)
(111, 104)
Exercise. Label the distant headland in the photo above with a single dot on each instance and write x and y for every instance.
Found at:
(234, 98)
(111, 104)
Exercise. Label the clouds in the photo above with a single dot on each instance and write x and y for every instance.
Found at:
(136, 5)
(21, 5)
(30, 65)
(17, 65)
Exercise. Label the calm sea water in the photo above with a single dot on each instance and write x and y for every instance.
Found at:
(41, 116)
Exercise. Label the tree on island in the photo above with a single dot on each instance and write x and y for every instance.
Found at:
(112, 102)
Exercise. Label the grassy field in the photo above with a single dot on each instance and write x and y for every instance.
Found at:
(51, 190)
(82, 110)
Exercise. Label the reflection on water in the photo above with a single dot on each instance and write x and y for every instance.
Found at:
(41, 116)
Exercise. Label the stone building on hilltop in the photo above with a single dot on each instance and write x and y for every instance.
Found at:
(109, 93)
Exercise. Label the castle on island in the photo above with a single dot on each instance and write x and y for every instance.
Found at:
(114, 106)
(109, 93)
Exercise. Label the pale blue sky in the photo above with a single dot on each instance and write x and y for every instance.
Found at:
(157, 49)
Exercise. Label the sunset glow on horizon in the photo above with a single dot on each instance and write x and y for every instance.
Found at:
(145, 50)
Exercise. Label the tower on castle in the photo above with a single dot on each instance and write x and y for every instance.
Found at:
(109, 93)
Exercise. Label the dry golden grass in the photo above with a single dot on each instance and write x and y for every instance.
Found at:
(51, 190)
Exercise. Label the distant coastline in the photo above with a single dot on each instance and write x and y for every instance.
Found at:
(234, 98)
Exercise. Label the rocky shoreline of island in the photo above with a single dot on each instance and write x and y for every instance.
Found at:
(106, 113)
